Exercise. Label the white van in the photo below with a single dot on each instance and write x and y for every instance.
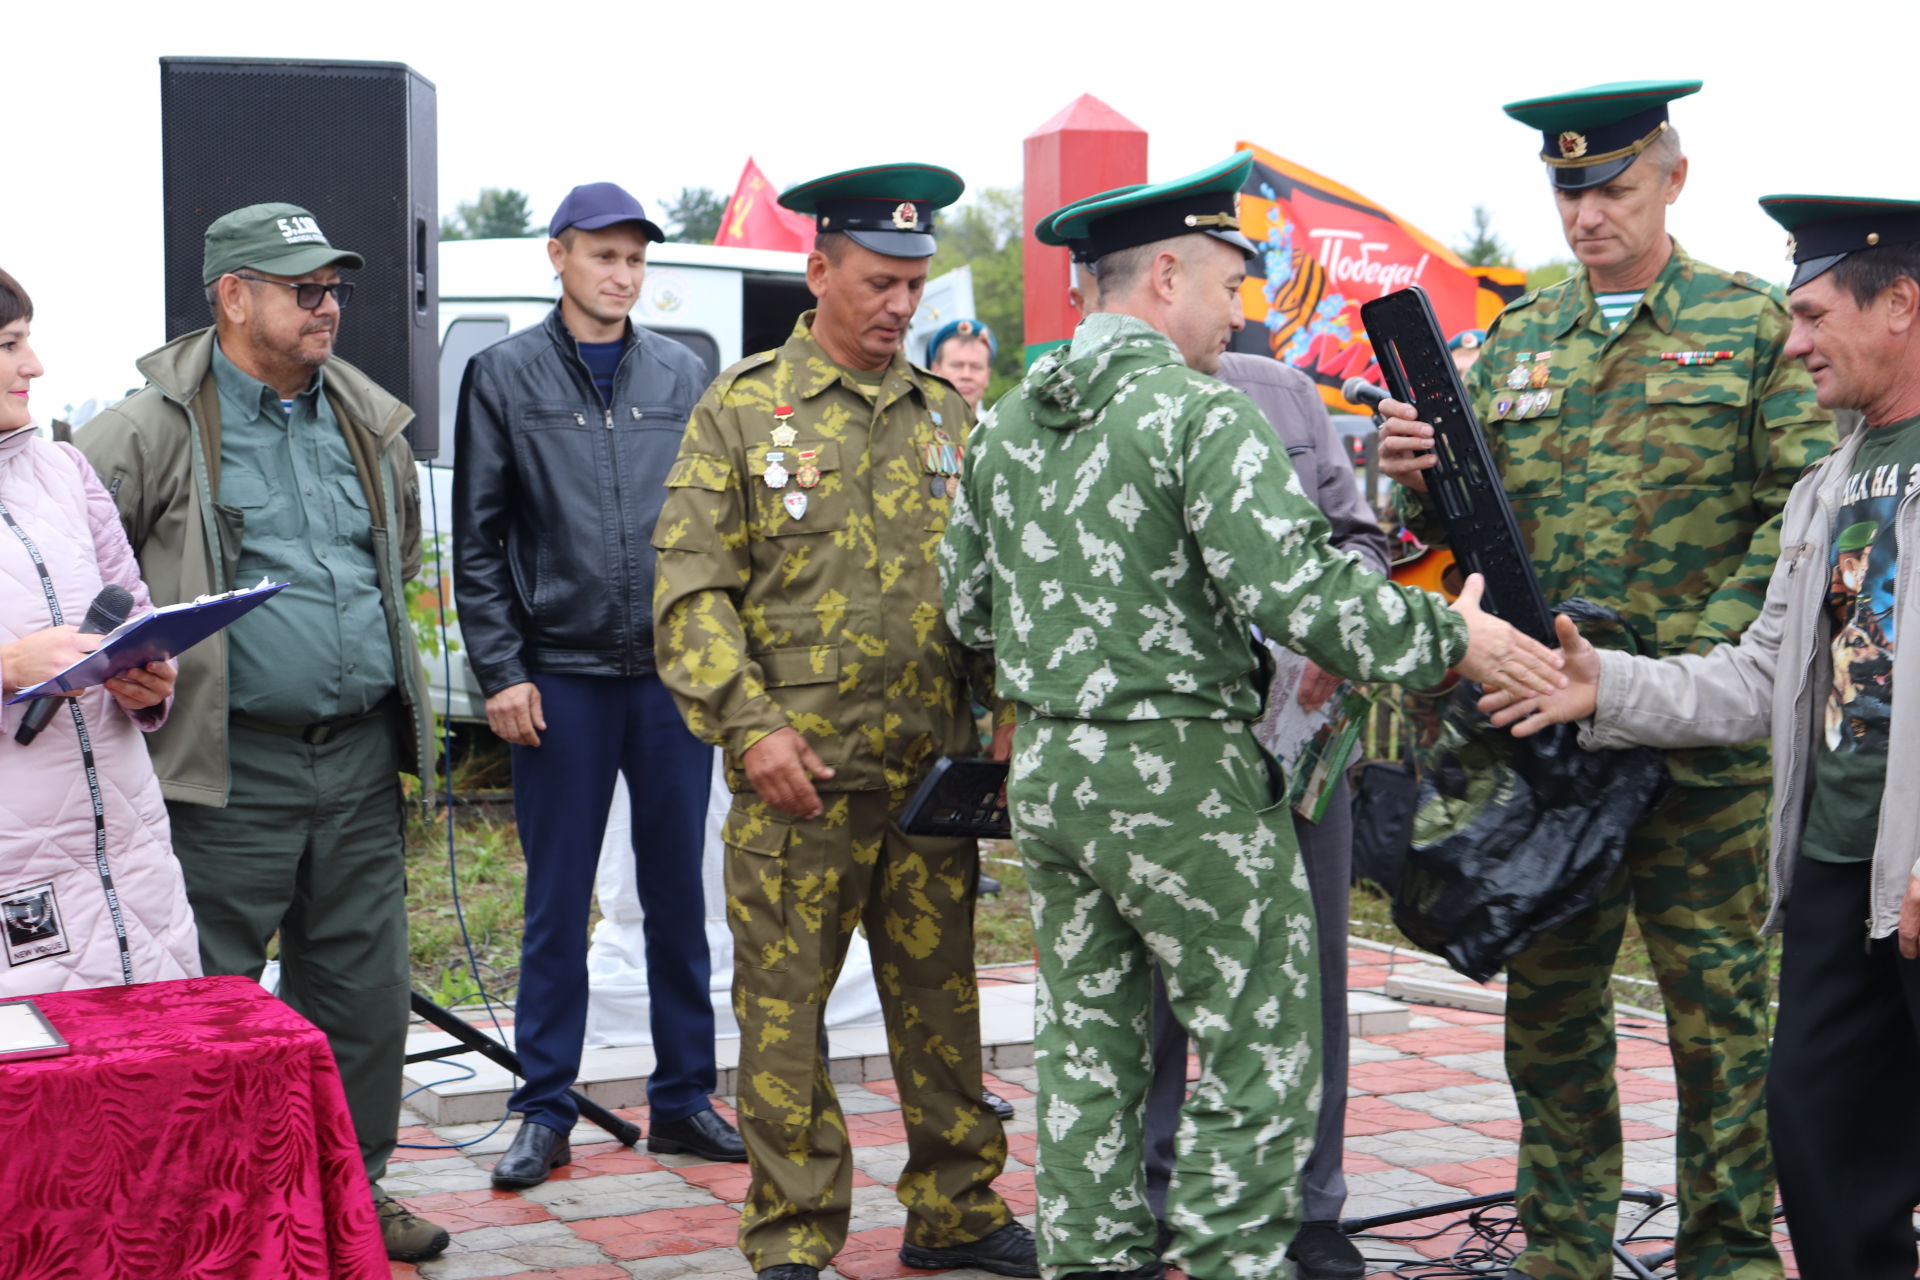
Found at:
(721, 303)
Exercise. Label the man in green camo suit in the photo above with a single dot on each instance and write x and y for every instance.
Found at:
(799, 627)
(1124, 522)
(1647, 430)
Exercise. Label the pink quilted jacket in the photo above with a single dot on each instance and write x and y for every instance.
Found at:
(69, 918)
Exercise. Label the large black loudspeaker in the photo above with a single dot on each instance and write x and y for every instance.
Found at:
(352, 142)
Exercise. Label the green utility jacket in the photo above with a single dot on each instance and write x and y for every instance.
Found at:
(1124, 523)
(828, 620)
(158, 452)
(1653, 479)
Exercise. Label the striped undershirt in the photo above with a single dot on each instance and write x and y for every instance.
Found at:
(1618, 306)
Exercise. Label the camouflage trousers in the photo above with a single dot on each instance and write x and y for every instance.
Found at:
(1157, 839)
(1694, 875)
(796, 890)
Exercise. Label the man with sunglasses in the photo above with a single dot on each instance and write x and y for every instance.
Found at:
(253, 453)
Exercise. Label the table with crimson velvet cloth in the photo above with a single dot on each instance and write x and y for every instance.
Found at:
(197, 1129)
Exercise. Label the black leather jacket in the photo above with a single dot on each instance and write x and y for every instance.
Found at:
(555, 498)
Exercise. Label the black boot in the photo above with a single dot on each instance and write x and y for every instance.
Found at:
(536, 1151)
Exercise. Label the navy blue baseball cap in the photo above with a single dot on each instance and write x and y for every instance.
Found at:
(594, 205)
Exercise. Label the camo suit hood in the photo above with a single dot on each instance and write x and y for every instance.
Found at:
(1070, 385)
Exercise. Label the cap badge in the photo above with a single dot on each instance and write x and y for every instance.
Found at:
(1572, 145)
(1793, 247)
(905, 216)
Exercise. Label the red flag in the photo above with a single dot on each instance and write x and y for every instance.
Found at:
(1324, 250)
(753, 221)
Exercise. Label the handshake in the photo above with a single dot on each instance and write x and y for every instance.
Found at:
(1515, 668)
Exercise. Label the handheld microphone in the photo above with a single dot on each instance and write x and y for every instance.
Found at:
(1360, 391)
(108, 610)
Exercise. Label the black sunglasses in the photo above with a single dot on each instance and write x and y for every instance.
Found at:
(308, 295)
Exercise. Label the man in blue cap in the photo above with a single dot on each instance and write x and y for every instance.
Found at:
(1647, 425)
(1845, 1117)
(564, 438)
(962, 352)
(799, 628)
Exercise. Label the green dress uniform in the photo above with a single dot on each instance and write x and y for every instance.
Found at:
(1648, 462)
(1123, 524)
(797, 587)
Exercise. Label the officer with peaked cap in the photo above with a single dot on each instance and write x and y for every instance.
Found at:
(1844, 1116)
(1647, 425)
(1121, 524)
(798, 627)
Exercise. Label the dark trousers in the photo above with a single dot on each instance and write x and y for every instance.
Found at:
(1326, 850)
(597, 728)
(310, 848)
(1843, 1091)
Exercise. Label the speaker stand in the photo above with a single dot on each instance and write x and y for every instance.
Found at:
(473, 1040)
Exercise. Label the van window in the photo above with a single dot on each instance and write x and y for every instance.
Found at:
(465, 338)
(699, 341)
(769, 305)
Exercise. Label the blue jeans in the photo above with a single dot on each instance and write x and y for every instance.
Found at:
(599, 727)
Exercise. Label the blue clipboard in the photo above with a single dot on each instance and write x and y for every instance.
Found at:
(151, 637)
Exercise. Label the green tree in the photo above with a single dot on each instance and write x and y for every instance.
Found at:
(693, 216)
(497, 213)
(1483, 248)
(1550, 272)
(986, 234)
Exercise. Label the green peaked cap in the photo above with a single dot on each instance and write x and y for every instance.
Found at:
(1043, 230)
(1825, 229)
(887, 208)
(1205, 202)
(1590, 136)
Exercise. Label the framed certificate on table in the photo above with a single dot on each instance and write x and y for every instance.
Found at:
(26, 1033)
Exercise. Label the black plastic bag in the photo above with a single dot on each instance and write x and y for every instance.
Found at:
(1513, 836)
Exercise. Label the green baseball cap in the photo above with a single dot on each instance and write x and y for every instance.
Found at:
(281, 239)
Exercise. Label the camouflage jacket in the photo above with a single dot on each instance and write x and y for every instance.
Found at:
(829, 620)
(1124, 522)
(1653, 478)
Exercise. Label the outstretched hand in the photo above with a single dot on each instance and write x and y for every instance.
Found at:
(1500, 657)
(1530, 713)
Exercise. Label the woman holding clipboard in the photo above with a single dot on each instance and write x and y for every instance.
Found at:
(90, 894)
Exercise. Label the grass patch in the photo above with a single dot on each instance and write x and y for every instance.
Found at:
(1002, 927)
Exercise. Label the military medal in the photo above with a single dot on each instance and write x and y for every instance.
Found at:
(808, 473)
(937, 487)
(1537, 403)
(953, 485)
(1539, 376)
(795, 502)
(784, 435)
(1502, 407)
(775, 474)
(1518, 379)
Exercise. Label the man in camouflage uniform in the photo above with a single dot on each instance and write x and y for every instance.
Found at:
(1124, 521)
(1647, 429)
(798, 626)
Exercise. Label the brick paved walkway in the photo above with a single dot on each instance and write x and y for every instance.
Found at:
(1429, 1119)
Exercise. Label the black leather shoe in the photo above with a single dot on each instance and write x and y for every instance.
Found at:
(1007, 1252)
(1145, 1271)
(702, 1134)
(1001, 1107)
(536, 1151)
(989, 887)
(1321, 1251)
(788, 1271)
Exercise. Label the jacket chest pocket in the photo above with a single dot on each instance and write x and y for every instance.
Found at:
(1531, 450)
(1690, 432)
(798, 489)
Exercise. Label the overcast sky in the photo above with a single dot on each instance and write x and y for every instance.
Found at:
(1398, 100)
